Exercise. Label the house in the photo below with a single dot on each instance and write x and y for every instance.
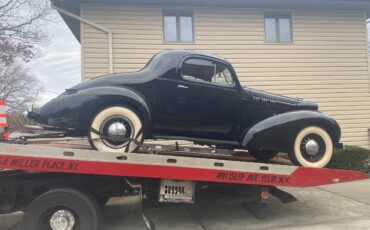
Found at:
(312, 49)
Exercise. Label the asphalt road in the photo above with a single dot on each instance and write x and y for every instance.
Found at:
(342, 206)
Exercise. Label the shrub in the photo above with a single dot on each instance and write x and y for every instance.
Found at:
(350, 158)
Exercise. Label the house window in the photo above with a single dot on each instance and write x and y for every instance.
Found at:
(178, 26)
(278, 28)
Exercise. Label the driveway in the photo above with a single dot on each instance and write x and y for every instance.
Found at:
(341, 206)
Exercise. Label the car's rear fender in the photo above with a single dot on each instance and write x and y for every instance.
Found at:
(76, 109)
(279, 132)
(104, 97)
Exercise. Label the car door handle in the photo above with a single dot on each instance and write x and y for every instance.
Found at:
(182, 87)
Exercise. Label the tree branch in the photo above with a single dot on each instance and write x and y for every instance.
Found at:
(6, 4)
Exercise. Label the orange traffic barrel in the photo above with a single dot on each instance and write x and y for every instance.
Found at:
(3, 122)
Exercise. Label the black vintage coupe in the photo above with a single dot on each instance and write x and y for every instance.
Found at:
(189, 95)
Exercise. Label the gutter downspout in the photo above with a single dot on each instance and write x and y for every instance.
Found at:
(105, 30)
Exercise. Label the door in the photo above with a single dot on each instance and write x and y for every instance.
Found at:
(207, 102)
(162, 105)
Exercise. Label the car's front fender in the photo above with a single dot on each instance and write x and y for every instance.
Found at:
(279, 132)
(76, 109)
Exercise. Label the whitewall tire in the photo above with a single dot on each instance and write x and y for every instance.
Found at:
(115, 126)
(313, 147)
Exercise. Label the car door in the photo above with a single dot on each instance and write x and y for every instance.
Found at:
(207, 103)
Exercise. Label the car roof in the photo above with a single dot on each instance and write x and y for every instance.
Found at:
(180, 53)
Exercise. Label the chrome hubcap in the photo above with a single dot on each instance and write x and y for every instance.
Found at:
(62, 220)
(117, 131)
(312, 147)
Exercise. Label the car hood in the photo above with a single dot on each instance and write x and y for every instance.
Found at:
(270, 98)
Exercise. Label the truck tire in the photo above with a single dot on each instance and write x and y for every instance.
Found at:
(313, 147)
(116, 124)
(64, 208)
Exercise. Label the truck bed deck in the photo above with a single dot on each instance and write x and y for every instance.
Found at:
(177, 162)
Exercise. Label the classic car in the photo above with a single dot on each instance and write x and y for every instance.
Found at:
(195, 96)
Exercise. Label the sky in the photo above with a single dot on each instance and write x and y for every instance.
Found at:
(59, 66)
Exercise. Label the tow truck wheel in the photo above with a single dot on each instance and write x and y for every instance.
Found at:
(111, 129)
(61, 209)
(313, 147)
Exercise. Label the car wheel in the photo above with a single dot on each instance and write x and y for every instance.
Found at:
(313, 147)
(263, 155)
(113, 128)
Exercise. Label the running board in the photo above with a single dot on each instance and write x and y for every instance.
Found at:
(198, 140)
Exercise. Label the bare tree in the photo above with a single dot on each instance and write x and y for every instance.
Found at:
(17, 122)
(20, 31)
(20, 37)
(18, 87)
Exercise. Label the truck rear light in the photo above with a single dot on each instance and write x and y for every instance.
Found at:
(265, 195)
(5, 135)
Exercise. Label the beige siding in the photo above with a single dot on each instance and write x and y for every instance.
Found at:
(327, 63)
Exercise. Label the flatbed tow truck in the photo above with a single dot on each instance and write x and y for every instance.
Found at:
(64, 185)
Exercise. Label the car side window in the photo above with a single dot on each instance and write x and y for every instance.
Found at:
(207, 71)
